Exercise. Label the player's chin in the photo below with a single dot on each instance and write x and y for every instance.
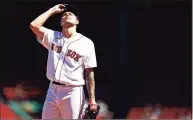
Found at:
(70, 23)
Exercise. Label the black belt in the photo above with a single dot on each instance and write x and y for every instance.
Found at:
(57, 83)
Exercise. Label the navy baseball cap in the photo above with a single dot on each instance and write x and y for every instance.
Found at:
(70, 8)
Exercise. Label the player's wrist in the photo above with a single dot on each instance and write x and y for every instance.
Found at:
(52, 11)
(92, 101)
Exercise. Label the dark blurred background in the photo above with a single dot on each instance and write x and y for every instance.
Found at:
(143, 50)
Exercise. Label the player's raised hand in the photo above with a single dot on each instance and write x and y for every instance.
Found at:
(58, 8)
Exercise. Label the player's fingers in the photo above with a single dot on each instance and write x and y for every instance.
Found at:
(61, 6)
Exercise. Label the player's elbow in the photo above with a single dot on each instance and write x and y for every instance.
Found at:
(38, 31)
(33, 26)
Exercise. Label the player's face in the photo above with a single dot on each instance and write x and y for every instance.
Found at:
(69, 17)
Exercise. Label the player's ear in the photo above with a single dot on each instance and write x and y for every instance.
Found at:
(77, 21)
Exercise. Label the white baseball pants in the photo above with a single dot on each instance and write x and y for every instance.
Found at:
(63, 102)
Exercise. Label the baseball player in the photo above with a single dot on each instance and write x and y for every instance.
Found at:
(70, 63)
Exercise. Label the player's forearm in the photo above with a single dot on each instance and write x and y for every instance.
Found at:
(41, 19)
(91, 86)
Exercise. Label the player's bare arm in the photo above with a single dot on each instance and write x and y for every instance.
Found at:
(37, 24)
(90, 84)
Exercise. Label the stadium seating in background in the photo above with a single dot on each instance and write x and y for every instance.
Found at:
(136, 113)
(160, 113)
(6, 113)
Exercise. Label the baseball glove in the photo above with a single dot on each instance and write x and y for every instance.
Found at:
(91, 113)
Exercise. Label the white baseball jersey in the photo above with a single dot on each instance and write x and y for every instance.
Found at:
(67, 59)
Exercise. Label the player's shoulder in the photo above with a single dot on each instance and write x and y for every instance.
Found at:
(86, 39)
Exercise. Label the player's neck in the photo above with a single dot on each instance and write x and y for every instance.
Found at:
(69, 32)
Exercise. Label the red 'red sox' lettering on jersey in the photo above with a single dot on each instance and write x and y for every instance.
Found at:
(73, 54)
(67, 58)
